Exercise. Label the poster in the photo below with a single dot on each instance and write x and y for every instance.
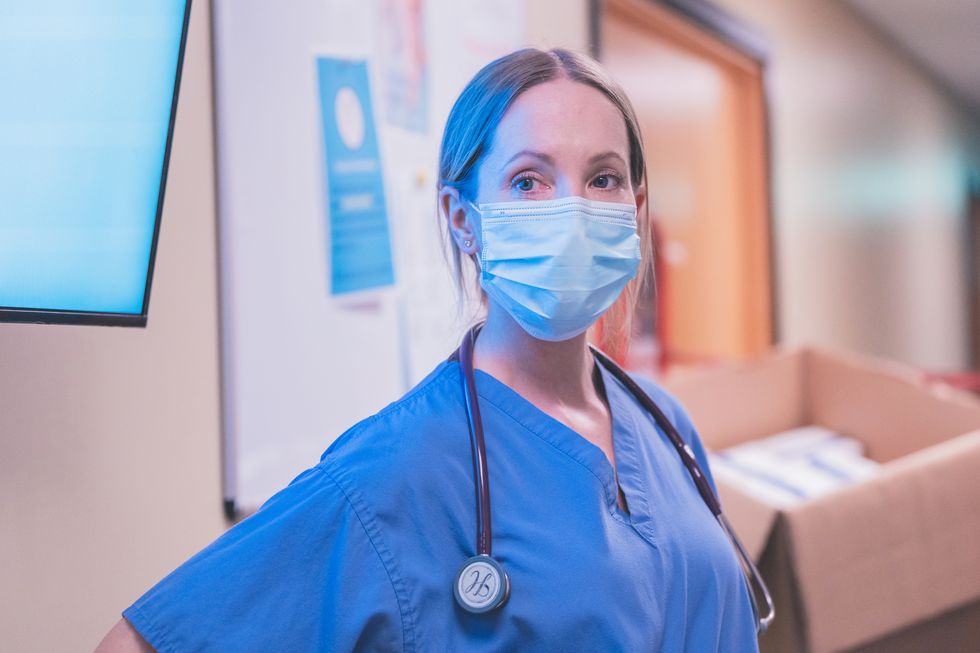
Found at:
(359, 242)
(403, 62)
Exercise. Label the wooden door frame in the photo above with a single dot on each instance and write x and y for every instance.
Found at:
(734, 33)
(973, 267)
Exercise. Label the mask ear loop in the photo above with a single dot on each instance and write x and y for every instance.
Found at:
(466, 243)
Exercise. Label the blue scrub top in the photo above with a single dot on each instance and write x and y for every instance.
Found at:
(360, 552)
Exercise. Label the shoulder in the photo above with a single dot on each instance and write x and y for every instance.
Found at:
(674, 410)
(275, 579)
(403, 427)
(669, 404)
(391, 453)
(317, 544)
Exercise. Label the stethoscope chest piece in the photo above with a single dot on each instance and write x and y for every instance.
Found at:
(481, 584)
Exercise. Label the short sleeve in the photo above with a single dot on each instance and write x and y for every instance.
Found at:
(677, 414)
(301, 574)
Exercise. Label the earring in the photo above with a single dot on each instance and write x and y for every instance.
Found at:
(467, 243)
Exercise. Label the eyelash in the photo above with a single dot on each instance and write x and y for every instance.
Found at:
(524, 176)
(617, 179)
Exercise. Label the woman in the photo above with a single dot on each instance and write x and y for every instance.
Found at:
(604, 538)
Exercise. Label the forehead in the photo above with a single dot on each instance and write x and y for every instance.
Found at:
(561, 117)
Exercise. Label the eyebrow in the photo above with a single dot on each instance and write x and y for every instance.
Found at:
(531, 153)
(607, 155)
(551, 161)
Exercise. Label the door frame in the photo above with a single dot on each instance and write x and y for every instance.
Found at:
(973, 267)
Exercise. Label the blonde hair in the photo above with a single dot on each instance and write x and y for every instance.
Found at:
(469, 133)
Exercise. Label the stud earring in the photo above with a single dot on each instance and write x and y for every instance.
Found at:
(467, 243)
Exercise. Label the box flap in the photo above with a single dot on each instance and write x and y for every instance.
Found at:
(734, 402)
(891, 551)
(884, 404)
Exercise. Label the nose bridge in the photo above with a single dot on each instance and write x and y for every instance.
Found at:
(569, 183)
(581, 223)
(573, 226)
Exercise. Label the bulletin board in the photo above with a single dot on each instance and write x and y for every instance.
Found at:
(335, 293)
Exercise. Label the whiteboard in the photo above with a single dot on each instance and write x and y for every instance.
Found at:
(299, 365)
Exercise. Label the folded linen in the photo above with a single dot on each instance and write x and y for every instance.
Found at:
(793, 466)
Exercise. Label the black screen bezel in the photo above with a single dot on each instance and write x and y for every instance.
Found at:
(95, 318)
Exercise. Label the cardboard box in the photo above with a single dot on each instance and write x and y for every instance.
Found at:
(888, 564)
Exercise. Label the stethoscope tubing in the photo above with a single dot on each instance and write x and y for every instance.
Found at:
(482, 481)
(683, 449)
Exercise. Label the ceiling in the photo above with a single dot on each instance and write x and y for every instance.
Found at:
(942, 35)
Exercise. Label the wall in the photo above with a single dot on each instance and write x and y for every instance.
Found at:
(870, 161)
(558, 24)
(109, 437)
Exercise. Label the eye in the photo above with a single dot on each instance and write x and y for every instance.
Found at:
(607, 181)
(526, 183)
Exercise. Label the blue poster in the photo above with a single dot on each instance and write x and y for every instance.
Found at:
(357, 218)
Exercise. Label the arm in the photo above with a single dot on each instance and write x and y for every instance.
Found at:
(123, 638)
(300, 574)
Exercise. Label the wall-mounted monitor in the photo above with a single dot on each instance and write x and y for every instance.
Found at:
(88, 95)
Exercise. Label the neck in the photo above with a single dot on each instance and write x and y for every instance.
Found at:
(562, 370)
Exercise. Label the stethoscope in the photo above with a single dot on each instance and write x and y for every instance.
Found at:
(481, 583)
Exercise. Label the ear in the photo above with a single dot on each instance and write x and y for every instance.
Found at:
(461, 219)
(640, 196)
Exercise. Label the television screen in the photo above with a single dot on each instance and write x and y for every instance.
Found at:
(88, 92)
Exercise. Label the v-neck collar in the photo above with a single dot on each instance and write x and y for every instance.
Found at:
(570, 442)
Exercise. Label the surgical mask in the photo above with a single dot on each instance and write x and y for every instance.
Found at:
(557, 265)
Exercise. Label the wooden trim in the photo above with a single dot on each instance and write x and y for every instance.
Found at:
(722, 26)
(767, 146)
(973, 269)
(595, 28)
(671, 26)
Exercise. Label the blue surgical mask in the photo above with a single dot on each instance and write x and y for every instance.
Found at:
(556, 265)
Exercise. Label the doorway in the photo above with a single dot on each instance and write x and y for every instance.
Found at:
(701, 106)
